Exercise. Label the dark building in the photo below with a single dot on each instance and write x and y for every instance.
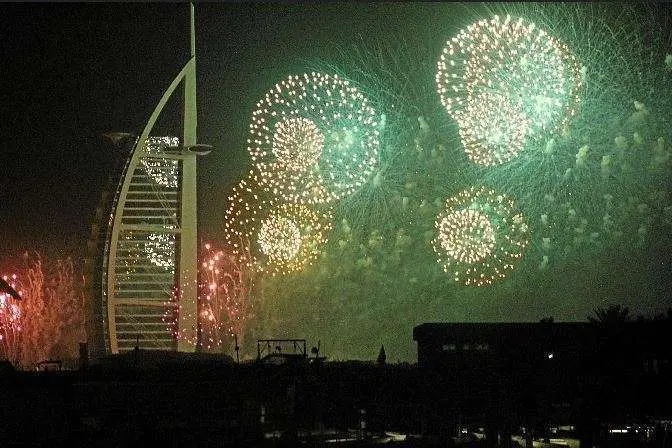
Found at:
(497, 376)
(504, 376)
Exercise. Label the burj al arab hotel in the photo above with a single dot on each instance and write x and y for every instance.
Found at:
(148, 243)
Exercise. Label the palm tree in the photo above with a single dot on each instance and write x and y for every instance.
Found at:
(613, 354)
(613, 314)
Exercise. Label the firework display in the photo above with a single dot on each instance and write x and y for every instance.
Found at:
(504, 82)
(10, 316)
(570, 136)
(31, 326)
(297, 143)
(225, 301)
(562, 111)
(291, 237)
(272, 236)
(480, 236)
(247, 204)
(452, 162)
(601, 181)
(556, 109)
(314, 139)
(498, 134)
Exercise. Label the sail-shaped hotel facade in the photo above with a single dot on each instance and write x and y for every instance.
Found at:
(149, 287)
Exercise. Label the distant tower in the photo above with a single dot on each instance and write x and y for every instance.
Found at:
(150, 272)
(382, 357)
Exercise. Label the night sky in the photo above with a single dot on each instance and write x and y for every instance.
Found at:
(71, 72)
